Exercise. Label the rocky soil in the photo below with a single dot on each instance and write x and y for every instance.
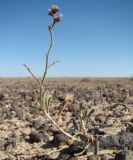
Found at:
(26, 134)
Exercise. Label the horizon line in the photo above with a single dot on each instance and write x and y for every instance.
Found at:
(68, 77)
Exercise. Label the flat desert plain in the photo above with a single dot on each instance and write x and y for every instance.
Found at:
(27, 134)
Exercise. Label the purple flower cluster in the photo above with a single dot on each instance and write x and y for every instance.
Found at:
(53, 12)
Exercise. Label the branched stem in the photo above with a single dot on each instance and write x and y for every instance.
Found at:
(52, 64)
(29, 70)
(38, 81)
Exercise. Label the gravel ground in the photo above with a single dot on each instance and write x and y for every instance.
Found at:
(26, 134)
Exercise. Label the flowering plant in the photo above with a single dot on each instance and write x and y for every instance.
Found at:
(53, 12)
(44, 97)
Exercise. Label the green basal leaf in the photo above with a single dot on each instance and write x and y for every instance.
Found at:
(85, 114)
(76, 125)
(90, 113)
(46, 100)
(88, 116)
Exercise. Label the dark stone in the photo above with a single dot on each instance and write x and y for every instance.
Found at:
(63, 157)
(76, 148)
(2, 97)
(121, 140)
(42, 157)
(109, 141)
(125, 139)
(61, 99)
(34, 137)
(96, 131)
(124, 155)
(129, 128)
(59, 138)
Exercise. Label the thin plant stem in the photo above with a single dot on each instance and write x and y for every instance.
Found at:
(65, 133)
(47, 56)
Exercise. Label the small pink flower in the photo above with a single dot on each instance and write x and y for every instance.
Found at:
(58, 18)
(53, 10)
